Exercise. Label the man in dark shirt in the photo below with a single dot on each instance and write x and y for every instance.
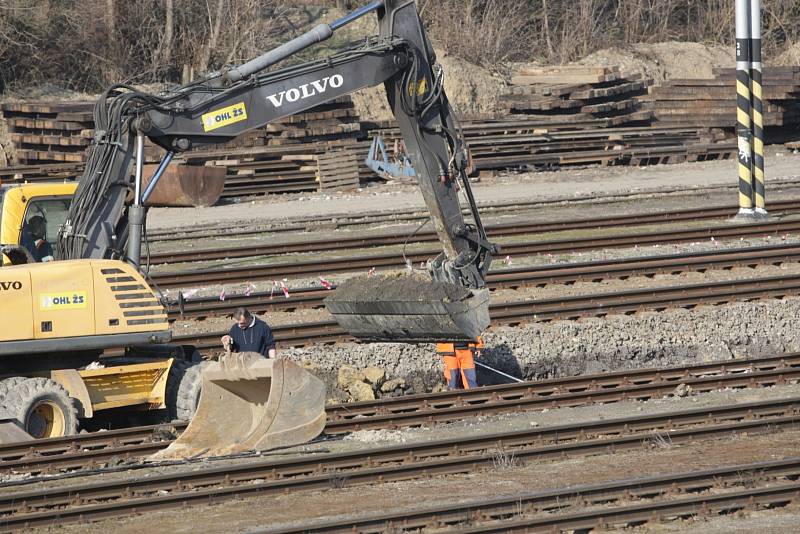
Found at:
(249, 334)
(35, 240)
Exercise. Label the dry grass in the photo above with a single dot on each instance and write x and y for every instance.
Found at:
(557, 31)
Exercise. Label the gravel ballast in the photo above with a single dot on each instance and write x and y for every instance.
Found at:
(565, 348)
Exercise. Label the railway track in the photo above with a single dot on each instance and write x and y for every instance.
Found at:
(86, 502)
(509, 230)
(565, 273)
(712, 491)
(93, 450)
(783, 207)
(569, 308)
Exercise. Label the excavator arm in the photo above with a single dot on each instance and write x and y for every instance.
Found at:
(226, 104)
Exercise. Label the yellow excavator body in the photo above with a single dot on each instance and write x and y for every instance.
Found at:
(64, 307)
(76, 298)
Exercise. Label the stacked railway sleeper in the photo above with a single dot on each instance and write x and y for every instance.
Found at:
(536, 144)
(49, 135)
(577, 93)
(283, 157)
(708, 102)
(48, 132)
(331, 465)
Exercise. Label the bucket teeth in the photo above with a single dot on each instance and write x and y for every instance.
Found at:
(248, 403)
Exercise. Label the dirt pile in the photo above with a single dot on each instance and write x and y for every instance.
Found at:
(472, 90)
(664, 61)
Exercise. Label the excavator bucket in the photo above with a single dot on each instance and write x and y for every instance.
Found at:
(409, 308)
(11, 432)
(248, 403)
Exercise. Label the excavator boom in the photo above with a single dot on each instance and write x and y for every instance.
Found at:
(449, 302)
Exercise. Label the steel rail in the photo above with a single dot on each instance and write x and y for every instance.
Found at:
(512, 229)
(312, 297)
(90, 450)
(552, 501)
(699, 505)
(461, 455)
(107, 438)
(784, 207)
(441, 414)
(552, 387)
(575, 307)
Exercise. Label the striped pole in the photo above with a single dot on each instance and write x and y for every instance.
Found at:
(757, 108)
(743, 107)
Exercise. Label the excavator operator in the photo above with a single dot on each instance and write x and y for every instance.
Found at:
(459, 363)
(34, 238)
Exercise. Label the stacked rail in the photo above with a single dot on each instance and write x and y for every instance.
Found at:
(711, 103)
(577, 93)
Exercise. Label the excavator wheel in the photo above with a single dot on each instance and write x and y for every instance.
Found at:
(249, 402)
(42, 408)
(7, 384)
(183, 389)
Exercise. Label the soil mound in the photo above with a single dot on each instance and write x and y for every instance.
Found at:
(472, 90)
(664, 61)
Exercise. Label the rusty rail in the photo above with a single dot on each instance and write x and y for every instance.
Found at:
(89, 451)
(461, 455)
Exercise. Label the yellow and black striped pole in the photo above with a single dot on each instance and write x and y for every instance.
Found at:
(743, 108)
(757, 108)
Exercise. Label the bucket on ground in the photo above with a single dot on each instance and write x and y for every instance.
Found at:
(249, 402)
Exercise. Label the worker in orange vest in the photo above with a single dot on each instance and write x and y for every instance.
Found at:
(459, 363)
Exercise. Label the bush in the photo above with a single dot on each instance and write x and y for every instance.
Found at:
(486, 32)
(85, 46)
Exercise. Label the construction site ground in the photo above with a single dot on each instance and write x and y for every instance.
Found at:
(508, 476)
(531, 351)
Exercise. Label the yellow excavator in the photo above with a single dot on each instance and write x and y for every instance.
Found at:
(86, 332)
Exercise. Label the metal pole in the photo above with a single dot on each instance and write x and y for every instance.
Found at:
(757, 108)
(136, 210)
(157, 176)
(743, 107)
(501, 373)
